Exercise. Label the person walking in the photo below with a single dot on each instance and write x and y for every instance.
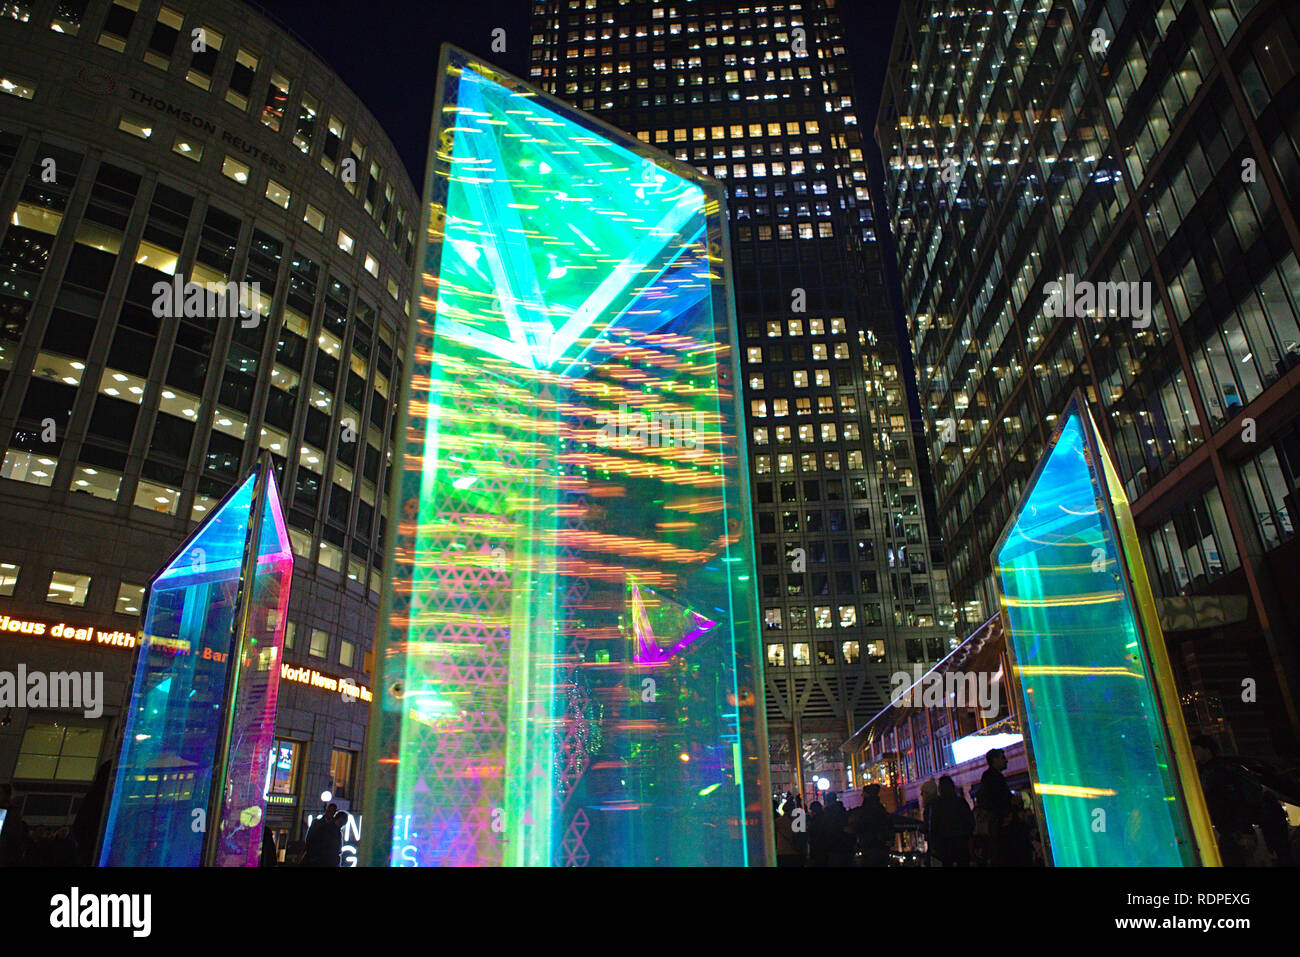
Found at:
(269, 855)
(15, 839)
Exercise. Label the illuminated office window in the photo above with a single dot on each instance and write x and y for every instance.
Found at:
(162, 40)
(117, 25)
(67, 588)
(8, 577)
(130, 599)
(204, 59)
(136, 125)
(59, 748)
(189, 148)
(241, 79)
(277, 193)
(234, 169)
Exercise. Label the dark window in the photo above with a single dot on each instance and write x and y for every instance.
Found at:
(113, 419)
(69, 333)
(171, 438)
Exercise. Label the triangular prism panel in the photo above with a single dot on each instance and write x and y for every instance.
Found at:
(196, 752)
(571, 614)
(1111, 765)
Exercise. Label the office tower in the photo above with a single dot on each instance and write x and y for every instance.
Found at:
(1101, 196)
(760, 98)
(131, 154)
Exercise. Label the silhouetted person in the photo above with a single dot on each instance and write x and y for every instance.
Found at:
(787, 851)
(839, 842)
(15, 841)
(799, 822)
(875, 829)
(269, 853)
(951, 825)
(324, 841)
(1237, 803)
(819, 852)
(340, 824)
(995, 800)
(929, 795)
(85, 827)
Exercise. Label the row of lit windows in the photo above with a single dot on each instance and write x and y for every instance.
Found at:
(168, 35)
(178, 409)
(71, 588)
(808, 434)
(318, 646)
(830, 461)
(800, 653)
(275, 192)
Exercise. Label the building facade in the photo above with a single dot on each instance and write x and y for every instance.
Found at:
(760, 98)
(145, 146)
(1102, 195)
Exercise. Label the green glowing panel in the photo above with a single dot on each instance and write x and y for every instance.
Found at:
(569, 667)
(1109, 756)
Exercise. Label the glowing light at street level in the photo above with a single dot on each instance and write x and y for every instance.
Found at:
(1108, 753)
(571, 621)
(214, 597)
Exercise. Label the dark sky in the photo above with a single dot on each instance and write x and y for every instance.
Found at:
(387, 51)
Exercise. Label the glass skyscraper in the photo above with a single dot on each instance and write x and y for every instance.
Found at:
(1101, 196)
(760, 98)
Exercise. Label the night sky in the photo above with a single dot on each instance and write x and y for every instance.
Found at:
(387, 52)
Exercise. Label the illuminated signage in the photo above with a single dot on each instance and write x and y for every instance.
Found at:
(404, 851)
(66, 631)
(310, 676)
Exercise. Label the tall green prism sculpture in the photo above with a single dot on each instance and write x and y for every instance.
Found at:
(568, 660)
(1114, 779)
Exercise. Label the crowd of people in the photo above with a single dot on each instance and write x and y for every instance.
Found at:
(1251, 825)
(999, 831)
(24, 845)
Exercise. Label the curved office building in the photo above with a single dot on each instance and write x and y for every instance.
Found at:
(151, 154)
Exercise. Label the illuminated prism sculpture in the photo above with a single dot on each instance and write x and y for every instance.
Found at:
(661, 627)
(568, 657)
(1113, 775)
(197, 747)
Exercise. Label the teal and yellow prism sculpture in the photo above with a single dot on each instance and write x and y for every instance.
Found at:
(568, 667)
(1114, 780)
